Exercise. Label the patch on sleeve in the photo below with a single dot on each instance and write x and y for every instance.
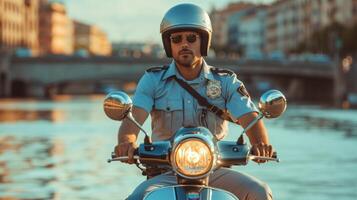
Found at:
(221, 71)
(157, 69)
(243, 91)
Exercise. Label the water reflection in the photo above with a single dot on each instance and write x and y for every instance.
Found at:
(27, 167)
(40, 159)
(319, 119)
(304, 121)
(10, 115)
(67, 160)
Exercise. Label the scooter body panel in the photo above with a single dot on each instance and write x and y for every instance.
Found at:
(185, 192)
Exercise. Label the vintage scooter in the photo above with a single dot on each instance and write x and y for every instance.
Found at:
(193, 153)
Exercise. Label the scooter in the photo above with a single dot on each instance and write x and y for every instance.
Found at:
(193, 153)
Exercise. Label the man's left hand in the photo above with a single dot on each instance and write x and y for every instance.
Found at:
(261, 149)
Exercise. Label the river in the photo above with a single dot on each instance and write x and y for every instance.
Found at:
(58, 150)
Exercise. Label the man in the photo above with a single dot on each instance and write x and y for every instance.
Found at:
(186, 33)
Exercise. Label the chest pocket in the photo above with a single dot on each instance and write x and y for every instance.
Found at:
(168, 117)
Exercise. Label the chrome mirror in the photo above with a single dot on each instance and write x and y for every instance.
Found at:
(272, 104)
(117, 105)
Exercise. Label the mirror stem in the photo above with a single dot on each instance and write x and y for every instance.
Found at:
(147, 139)
(252, 123)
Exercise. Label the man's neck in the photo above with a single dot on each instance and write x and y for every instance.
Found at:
(190, 72)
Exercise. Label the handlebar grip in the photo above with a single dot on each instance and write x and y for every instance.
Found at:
(136, 152)
(123, 158)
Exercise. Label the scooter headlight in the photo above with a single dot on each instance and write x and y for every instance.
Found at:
(192, 158)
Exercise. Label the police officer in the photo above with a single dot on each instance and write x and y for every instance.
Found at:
(186, 35)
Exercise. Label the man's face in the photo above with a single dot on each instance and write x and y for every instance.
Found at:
(185, 47)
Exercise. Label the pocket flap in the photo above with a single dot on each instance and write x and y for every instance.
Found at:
(169, 104)
(174, 104)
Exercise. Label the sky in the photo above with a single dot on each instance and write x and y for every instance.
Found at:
(132, 20)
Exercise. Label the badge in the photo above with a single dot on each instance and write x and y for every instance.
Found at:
(241, 90)
(213, 89)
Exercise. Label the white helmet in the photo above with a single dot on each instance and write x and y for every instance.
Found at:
(186, 17)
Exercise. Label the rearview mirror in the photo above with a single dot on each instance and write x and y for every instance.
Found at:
(272, 104)
(117, 105)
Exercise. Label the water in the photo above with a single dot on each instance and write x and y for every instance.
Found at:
(58, 150)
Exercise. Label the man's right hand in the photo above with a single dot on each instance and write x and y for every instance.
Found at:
(126, 149)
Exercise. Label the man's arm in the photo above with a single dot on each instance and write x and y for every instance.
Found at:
(258, 136)
(128, 133)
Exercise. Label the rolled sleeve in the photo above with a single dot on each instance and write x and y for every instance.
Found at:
(144, 94)
(237, 103)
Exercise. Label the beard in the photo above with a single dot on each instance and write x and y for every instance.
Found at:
(186, 58)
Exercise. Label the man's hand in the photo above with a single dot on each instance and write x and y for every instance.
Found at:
(258, 136)
(127, 135)
(126, 149)
(262, 149)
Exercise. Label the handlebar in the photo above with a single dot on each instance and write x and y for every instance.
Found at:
(230, 154)
(273, 158)
(122, 158)
(250, 157)
(253, 157)
(137, 158)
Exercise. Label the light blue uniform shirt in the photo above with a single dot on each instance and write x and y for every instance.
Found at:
(172, 107)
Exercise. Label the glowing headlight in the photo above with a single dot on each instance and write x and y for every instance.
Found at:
(192, 157)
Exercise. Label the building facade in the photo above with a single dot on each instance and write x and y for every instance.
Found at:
(138, 50)
(56, 30)
(91, 39)
(99, 43)
(19, 25)
(285, 25)
(41, 27)
(252, 32)
(221, 25)
(289, 22)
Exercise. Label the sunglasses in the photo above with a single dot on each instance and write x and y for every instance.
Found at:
(191, 38)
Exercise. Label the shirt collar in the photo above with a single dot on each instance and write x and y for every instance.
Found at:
(172, 71)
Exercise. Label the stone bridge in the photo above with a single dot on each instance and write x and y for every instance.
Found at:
(41, 77)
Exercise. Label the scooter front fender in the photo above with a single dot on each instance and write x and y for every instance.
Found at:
(185, 192)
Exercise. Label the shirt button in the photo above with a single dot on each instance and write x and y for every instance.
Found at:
(188, 101)
(168, 108)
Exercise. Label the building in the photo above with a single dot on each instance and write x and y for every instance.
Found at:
(289, 22)
(41, 27)
(19, 25)
(252, 33)
(91, 39)
(233, 24)
(220, 24)
(99, 43)
(138, 50)
(336, 11)
(284, 26)
(31, 29)
(56, 29)
(81, 36)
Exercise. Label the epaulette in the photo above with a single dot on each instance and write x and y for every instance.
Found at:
(157, 69)
(222, 71)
